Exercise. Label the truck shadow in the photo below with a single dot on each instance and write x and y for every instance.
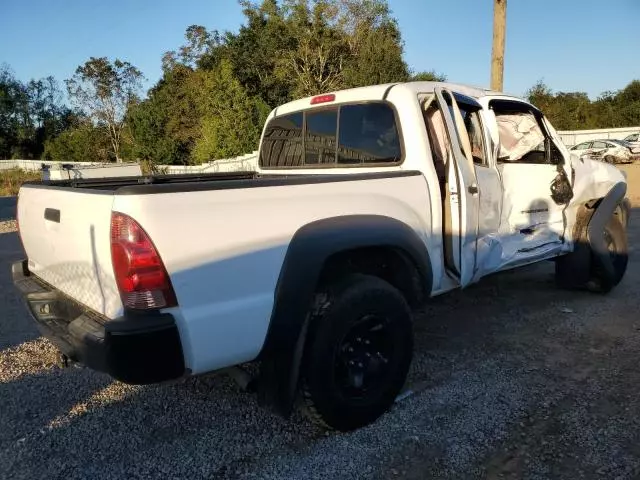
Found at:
(15, 325)
(8, 208)
(80, 423)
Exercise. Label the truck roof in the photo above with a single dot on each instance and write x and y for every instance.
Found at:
(380, 91)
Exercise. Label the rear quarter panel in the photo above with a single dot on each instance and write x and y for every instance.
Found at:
(224, 250)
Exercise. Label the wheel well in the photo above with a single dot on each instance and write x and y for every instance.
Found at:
(620, 210)
(390, 264)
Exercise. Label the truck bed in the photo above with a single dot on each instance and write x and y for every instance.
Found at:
(222, 238)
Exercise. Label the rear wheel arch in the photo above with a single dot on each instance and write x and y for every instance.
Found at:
(314, 258)
(392, 264)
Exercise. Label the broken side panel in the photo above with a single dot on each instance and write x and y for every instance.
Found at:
(530, 219)
(532, 224)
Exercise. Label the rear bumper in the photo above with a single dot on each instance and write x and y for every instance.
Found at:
(135, 348)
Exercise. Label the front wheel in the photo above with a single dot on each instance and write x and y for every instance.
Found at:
(359, 353)
(579, 270)
(616, 240)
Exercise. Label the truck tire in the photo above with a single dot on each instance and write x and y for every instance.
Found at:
(574, 269)
(578, 270)
(616, 239)
(358, 355)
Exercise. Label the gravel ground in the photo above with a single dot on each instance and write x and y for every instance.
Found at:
(511, 379)
(8, 226)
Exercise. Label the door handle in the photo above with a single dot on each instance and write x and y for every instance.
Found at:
(473, 189)
(52, 214)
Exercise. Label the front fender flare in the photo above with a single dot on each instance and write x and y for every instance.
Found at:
(605, 209)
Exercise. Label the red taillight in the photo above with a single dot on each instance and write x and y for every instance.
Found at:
(330, 97)
(140, 274)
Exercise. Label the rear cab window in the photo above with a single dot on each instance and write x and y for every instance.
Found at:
(348, 135)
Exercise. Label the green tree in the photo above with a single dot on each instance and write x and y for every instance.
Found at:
(430, 76)
(82, 142)
(48, 115)
(374, 41)
(628, 100)
(256, 51)
(103, 90)
(14, 115)
(304, 47)
(605, 110)
(231, 119)
(151, 140)
(30, 114)
(166, 125)
(575, 111)
(200, 41)
(316, 63)
(540, 95)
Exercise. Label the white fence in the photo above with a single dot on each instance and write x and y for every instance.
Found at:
(574, 137)
(36, 165)
(244, 163)
(248, 162)
(62, 170)
(92, 171)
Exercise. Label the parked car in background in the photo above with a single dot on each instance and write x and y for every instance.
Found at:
(634, 147)
(610, 151)
(633, 139)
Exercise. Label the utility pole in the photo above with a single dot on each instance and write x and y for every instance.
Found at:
(497, 52)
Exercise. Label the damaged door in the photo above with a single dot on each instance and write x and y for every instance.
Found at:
(536, 184)
(488, 246)
(462, 199)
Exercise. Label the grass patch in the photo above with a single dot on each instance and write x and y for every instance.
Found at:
(12, 179)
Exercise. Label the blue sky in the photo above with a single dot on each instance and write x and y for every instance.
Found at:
(574, 45)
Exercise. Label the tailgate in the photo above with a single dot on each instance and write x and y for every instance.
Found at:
(66, 236)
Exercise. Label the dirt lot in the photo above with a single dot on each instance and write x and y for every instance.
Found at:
(511, 379)
(633, 180)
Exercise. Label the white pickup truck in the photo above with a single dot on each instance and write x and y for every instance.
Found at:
(366, 202)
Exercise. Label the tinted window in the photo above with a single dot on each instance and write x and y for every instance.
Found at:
(599, 145)
(282, 143)
(582, 146)
(320, 137)
(368, 134)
